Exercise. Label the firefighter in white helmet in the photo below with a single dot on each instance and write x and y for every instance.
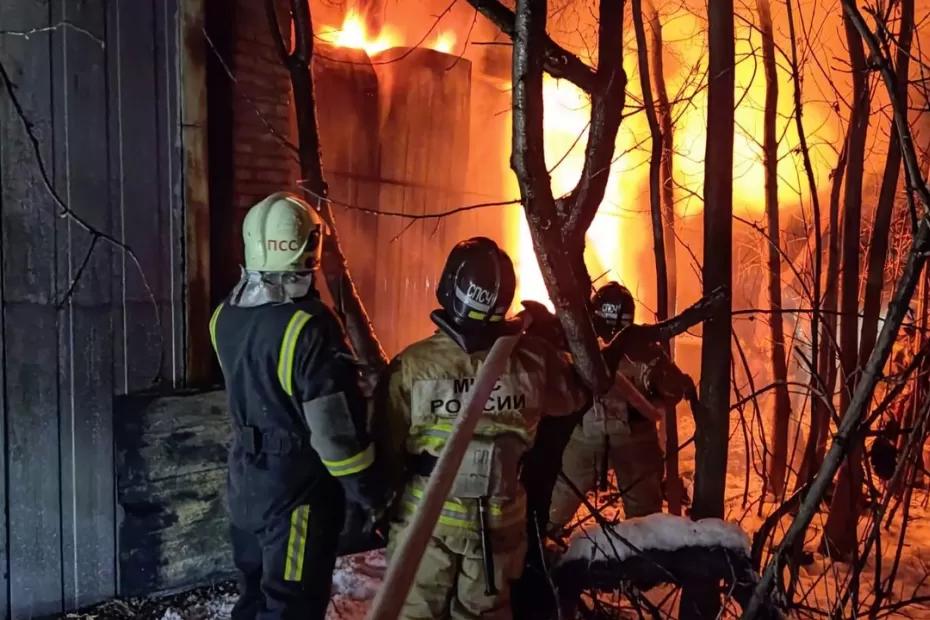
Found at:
(470, 562)
(298, 418)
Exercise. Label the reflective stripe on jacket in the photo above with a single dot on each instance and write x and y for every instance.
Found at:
(288, 369)
(427, 390)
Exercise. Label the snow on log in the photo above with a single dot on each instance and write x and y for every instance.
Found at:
(654, 550)
(658, 532)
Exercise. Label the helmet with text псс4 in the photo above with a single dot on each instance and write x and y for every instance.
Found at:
(477, 283)
(282, 233)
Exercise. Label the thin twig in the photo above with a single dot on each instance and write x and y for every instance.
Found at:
(408, 216)
(27, 34)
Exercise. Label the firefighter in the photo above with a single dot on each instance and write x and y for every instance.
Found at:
(298, 418)
(613, 433)
(470, 562)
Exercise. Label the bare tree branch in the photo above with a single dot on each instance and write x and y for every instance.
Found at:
(558, 62)
(607, 101)
(897, 309)
(335, 270)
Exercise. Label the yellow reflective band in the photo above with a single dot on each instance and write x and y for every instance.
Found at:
(445, 518)
(288, 349)
(213, 319)
(353, 464)
(479, 316)
(296, 544)
(429, 442)
(456, 513)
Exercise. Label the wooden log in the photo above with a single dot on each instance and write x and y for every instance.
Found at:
(174, 534)
(201, 363)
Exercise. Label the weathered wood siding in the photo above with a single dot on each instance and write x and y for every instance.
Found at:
(171, 460)
(100, 92)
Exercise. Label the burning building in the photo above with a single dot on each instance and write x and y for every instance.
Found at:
(135, 135)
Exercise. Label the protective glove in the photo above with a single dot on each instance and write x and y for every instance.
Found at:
(545, 325)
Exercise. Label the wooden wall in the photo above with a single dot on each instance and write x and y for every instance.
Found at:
(171, 489)
(101, 94)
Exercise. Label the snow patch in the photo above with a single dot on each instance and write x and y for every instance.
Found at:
(658, 532)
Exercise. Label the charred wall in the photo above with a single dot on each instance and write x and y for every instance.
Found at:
(79, 323)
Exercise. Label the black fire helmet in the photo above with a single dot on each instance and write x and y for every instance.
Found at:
(613, 309)
(477, 284)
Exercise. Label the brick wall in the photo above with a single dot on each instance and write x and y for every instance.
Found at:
(262, 164)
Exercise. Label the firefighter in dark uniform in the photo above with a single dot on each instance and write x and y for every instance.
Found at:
(300, 447)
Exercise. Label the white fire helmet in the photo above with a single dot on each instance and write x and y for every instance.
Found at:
(282, 233)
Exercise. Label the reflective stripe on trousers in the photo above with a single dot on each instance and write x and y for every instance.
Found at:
(296, 544)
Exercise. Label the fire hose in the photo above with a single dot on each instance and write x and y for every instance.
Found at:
(406, 561)
(404, 564)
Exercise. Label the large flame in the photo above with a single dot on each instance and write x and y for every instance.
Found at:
(444, 42)
(566, 118)
(354, 33)
(618, 244)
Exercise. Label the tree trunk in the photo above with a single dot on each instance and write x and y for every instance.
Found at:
(335, 270)
(713, 423)
(819, 411)
(782, 413)
(878, 244)
(840, 530)
(825, 359)
(673, 490)
(558, 227)
(666, 178)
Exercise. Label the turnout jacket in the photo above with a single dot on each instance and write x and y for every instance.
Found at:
(426, 390)
(298, 415)
(647, 367)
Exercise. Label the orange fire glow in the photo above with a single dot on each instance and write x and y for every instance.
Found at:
(444, 43)
(610, 239)
(353, 33)
(619, 240)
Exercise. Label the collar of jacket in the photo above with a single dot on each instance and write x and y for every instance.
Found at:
(258, 288)
(472, 339)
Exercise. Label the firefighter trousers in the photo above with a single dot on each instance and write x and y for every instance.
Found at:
(450, 581)
(636, 459)
(286, 568)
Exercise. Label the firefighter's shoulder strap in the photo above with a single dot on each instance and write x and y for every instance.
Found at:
(288, 350)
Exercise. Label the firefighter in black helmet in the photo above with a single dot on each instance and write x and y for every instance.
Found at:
(298, 418)
(425, 390)
(612, 433)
